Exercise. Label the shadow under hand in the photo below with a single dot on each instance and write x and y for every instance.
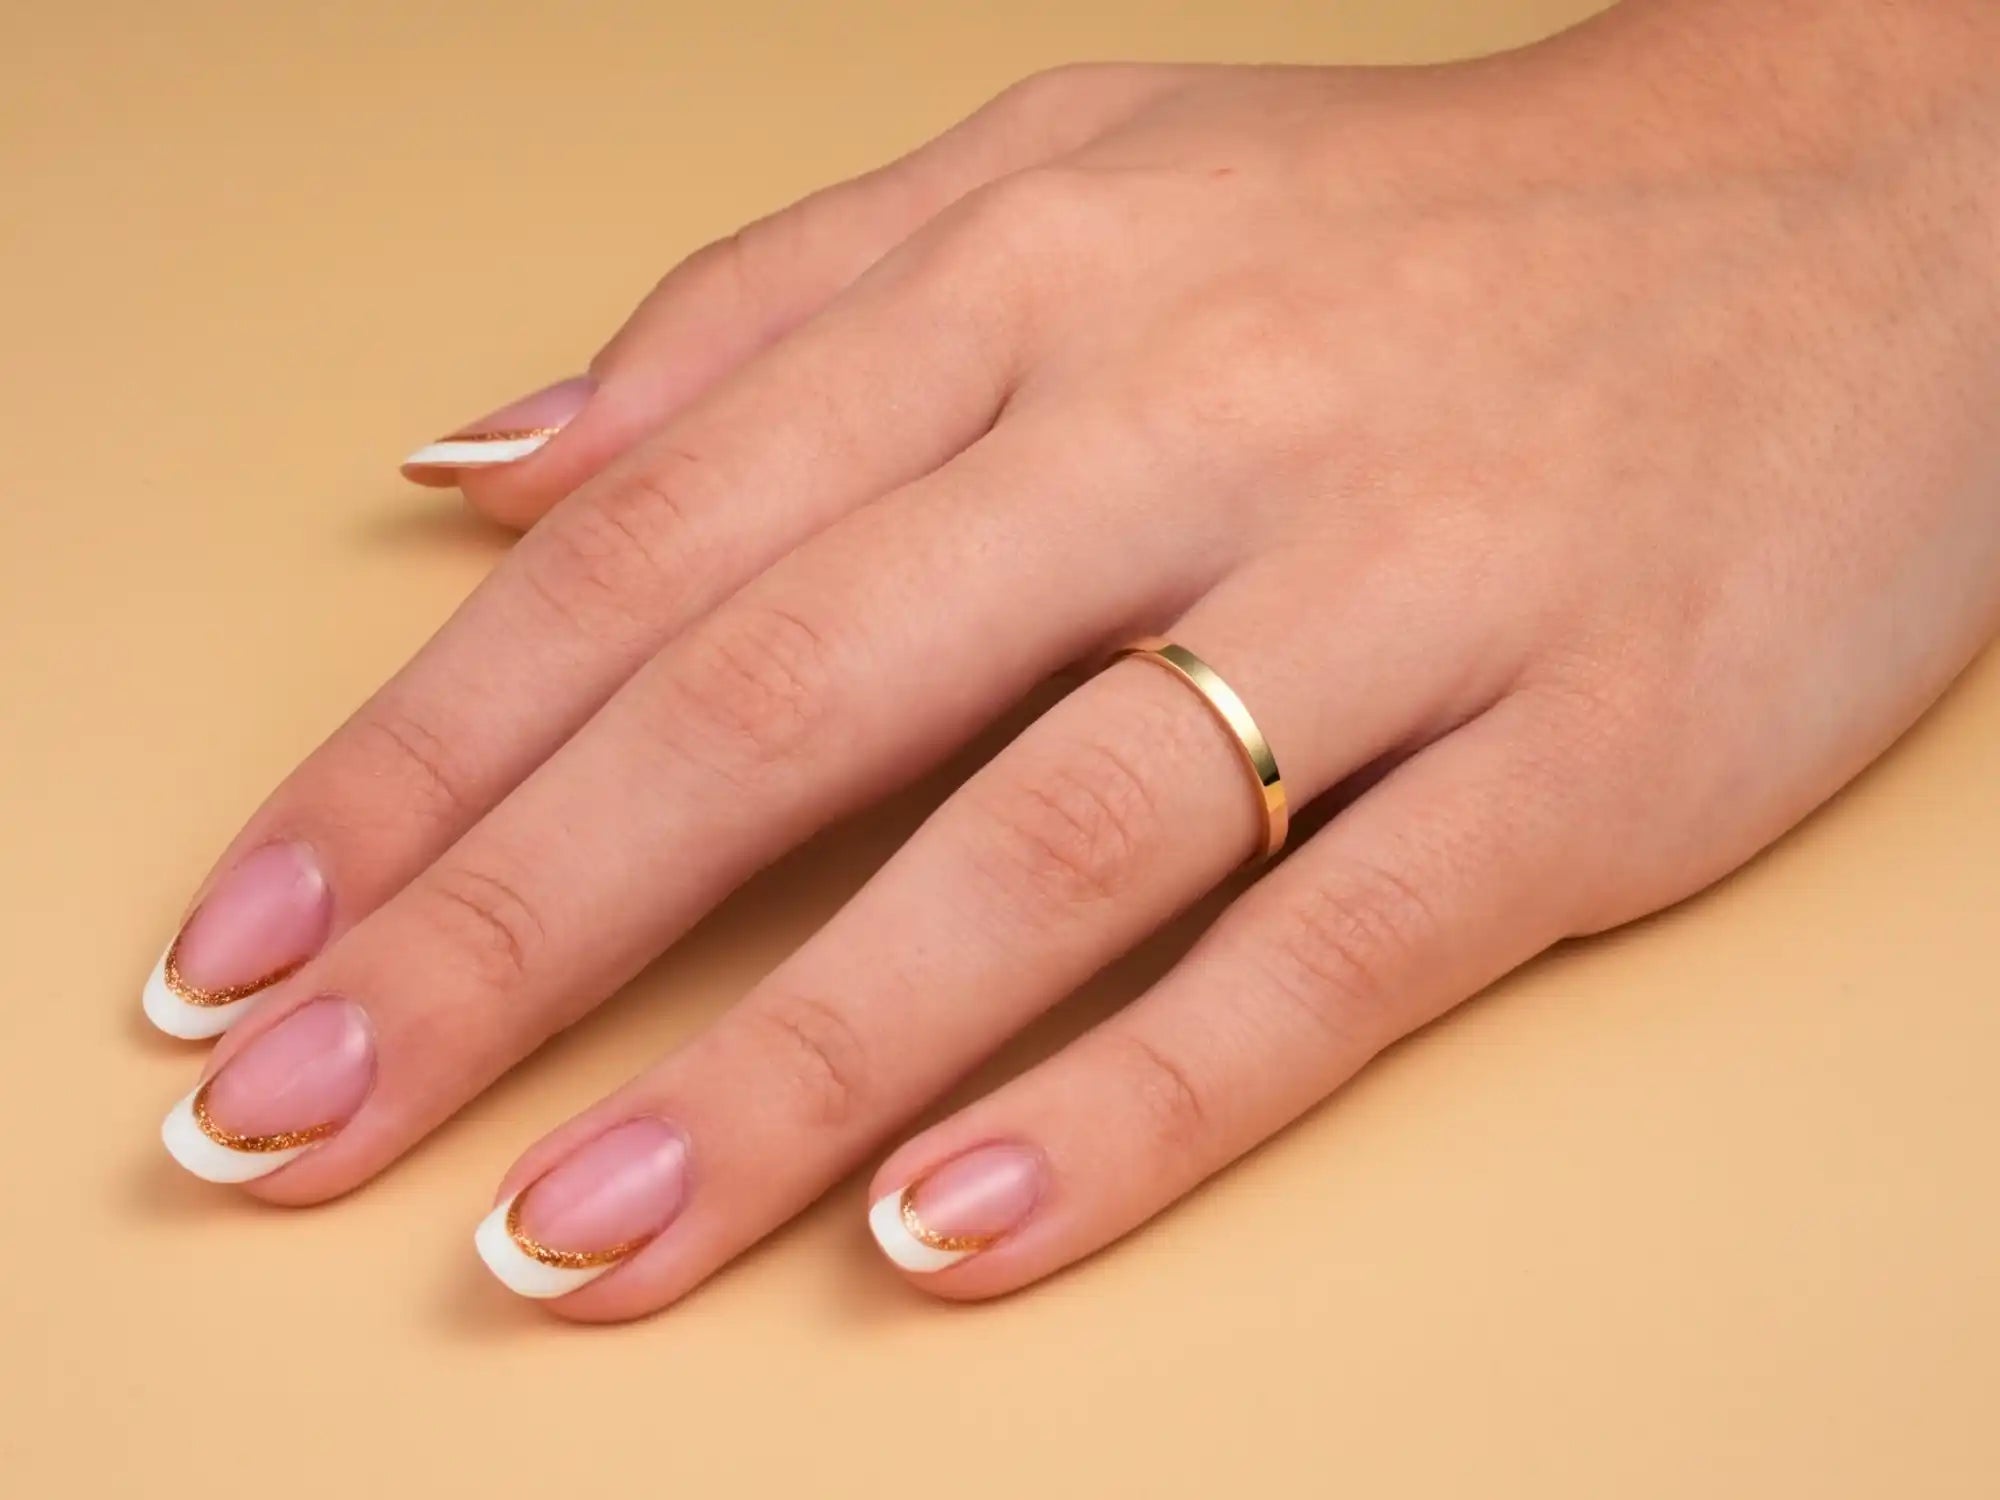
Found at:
(436, 521)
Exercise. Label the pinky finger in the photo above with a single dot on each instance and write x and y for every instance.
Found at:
(739, 295)
(1438, 881)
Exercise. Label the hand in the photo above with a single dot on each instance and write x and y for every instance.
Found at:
(1581, 462)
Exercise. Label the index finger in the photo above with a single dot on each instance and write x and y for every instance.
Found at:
(894, 379)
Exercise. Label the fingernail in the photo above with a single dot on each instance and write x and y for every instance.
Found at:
(282, 1095)
(263, 920)
(601, 1205)
(502, 437)
(958, 1209)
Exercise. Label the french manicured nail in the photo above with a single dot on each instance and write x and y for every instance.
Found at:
(502, 437)
(600, 1205)
(958, 1209)
(283, 1094)
(263, 920)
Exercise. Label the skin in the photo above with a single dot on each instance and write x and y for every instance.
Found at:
(1582, 461)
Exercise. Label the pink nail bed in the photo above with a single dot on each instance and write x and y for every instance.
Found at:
(289, 1089)
(623, 1186)
(264, 918)
(960, 1207)
(601, 1204)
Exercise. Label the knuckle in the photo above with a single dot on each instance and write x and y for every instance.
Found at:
(1032, 206)
(1602, 676)
(1210, 379)
(752, 687)
(728, 264)
(644, 517)
(710, 274)
(1026, 233)
(1263, 336)
(485, 918)
(1173, 1105)
(419, 760)
(810, 1044)
(1619, 761)
(1615, 731)
(1074, 833)
(607, 565)
(1345, 946)
(1048, 92)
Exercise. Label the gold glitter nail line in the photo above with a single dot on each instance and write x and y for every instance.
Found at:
(284, 1140)
(951, 1244)
(228, 994)
(566, 1260)
(501, 435)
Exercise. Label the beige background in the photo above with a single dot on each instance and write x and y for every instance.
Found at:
(1706, 1208)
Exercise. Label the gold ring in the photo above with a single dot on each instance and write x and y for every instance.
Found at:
(1225, 705)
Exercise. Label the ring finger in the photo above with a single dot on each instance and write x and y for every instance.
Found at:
(1461, 864)
(1119, 807)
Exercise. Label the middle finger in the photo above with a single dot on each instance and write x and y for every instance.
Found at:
(860, 659)
(821, 424)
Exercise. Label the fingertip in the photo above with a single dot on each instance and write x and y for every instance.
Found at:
(177, 1017)
(938, 1227)
(900, 1244)
(594, 1309)
(430, 476)
(514, 1268)
(195, 1151)
(490, 459)
(511, 500)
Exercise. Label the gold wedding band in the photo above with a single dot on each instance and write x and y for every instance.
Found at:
(1226, 706)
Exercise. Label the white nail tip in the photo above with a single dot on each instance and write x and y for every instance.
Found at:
(474, 453)
(191, 1023)
(885, 1220)
(209, 1159)
(519, 1271)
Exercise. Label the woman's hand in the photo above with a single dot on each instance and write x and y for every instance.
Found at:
(1598, 440)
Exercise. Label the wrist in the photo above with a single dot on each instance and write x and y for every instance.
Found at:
(1903, 98)
(1816, 70)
